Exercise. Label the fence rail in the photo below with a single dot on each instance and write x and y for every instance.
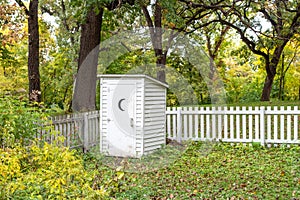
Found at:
(265, 125)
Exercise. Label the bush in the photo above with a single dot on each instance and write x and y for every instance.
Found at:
(19, 121)
(49, 172)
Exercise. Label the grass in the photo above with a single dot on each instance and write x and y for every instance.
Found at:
(224, 172)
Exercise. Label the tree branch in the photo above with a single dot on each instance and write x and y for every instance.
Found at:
(22, 5)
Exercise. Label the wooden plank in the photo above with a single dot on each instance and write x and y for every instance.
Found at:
(289, 121)
(256, 124)
(179, 125)
(282, 122)
(196, 127)
(202, 123)
(168, 124)
(185, 122)
(296, 118)
(190, 121)
(220, 124)
(225, 124)
(275, 124)
(207, 122)
(174, 127)
(214, 123)
(231, 124)
(269, 124)
(237, 122)
(250, 124)
(262, 125)
(244, 124)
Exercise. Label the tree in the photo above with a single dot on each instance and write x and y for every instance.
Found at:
(84, 97)
(282, 17)
(85, 86)
(33, 50)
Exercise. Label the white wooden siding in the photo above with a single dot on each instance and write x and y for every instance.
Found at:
(155, 106)
(150, 109)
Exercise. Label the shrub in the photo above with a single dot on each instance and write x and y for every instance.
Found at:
(48, 172)
(19, 122)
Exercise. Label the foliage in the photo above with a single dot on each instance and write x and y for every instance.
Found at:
(49, 172)
(225, 172)
(19, 121)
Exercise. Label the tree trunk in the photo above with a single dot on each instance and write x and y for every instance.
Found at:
(282, 74)
(266, 93)
(84, 97)
(33, 53)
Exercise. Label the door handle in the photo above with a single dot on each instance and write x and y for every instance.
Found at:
(131, 122)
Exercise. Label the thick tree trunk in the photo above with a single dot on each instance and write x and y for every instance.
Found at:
(84, 97)
(33, 54)
(266, 93)
(161, 60)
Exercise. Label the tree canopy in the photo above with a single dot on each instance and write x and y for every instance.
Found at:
(253, 46)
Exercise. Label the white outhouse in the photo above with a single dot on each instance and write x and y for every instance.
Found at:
(132, 114)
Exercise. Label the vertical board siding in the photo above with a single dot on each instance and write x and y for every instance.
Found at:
(154, 116)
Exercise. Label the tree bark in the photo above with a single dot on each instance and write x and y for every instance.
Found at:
(84, 98)
(266, 93)
(33, 50)
(33, 54)
(156, 32)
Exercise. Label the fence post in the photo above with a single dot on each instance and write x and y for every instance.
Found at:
(85, 132)
(179, 124)
(262, 125)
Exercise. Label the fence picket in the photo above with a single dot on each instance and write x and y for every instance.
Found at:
(185, 124)
(231, 123)
(275, 130)
(169, 123)
(190, 119)
(289, 121)
(282, 124)
(196, 127)
(225, 124)
(220, 124)
(202, 123)
(179, 125)
(214, 123)
(208, 128)
(296, 124)
(244, 124)
(174, 127)
(237, 122)
(250, 124)
(256, 124)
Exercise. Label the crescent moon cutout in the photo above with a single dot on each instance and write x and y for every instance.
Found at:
(119, 105)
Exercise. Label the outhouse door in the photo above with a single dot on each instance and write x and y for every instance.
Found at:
(121, 119)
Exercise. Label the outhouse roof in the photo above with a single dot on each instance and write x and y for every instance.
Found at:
(121, 76)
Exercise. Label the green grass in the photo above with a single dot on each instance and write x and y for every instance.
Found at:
(225, 172)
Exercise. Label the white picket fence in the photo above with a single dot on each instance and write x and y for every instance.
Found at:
(265, 125)
(79, 130)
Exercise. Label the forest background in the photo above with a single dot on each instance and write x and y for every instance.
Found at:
(254, 46)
